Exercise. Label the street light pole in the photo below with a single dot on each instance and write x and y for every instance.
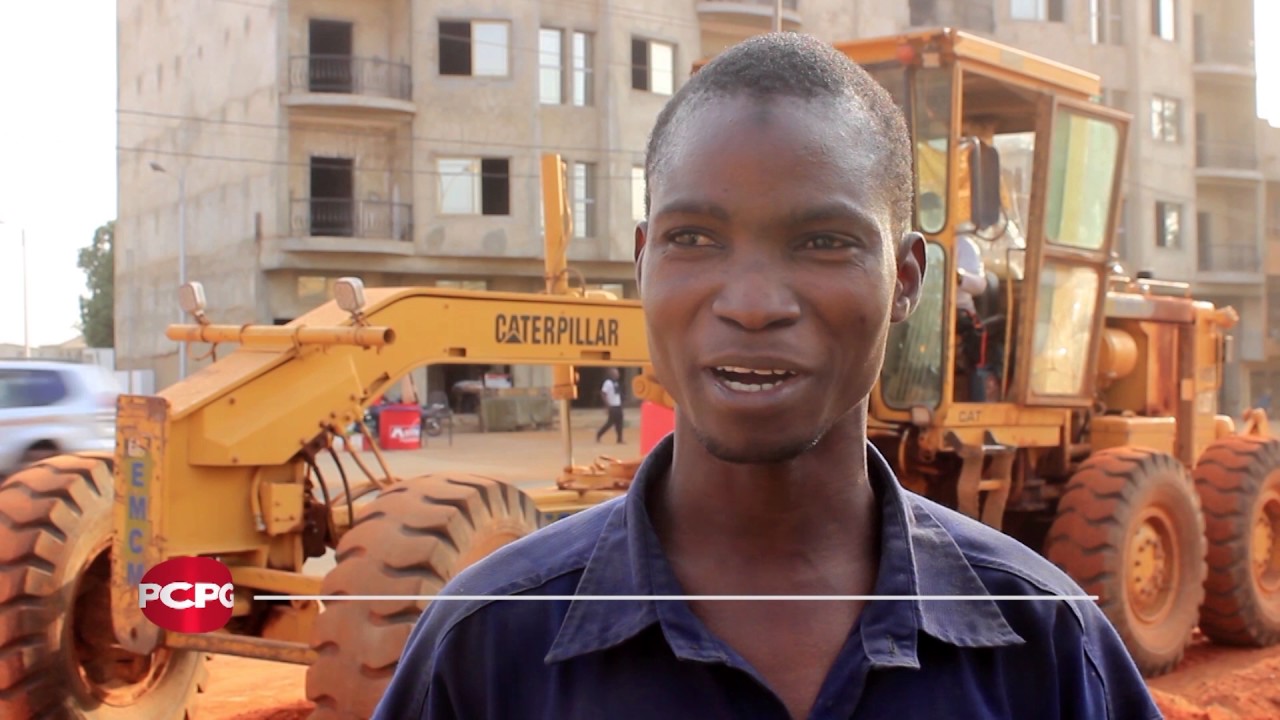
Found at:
(26, 302)
(182, 263)
(182, 254)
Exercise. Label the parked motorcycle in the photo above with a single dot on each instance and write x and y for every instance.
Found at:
(433, 416)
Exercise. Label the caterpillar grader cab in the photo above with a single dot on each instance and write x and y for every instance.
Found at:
(1038, 391)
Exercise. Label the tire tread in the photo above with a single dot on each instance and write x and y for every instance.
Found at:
(1228, 477)
(42, 508)
(1087, 541)
(407, 541)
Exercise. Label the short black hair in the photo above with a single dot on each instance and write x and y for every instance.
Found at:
(800, 66)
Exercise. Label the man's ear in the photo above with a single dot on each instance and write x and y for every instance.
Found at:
(642, 228)
(911, 270)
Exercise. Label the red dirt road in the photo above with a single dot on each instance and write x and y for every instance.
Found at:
(1213, 683)
(242, 689)
(254, 689)
(1218, 683)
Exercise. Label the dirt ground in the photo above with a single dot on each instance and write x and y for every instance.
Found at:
(243, 689)
(1212, 683)
(1217, 683)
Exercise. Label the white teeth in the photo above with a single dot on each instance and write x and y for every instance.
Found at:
(751, 371)
(753, 387)
(744, 387)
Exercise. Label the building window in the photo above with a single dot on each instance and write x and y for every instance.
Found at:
(474, 186)
(1166, 119)
(475, 48)
(550, 66)
(584, 199)
(1164, 19)
(582, 75)
(637, 193)
(1168, 225)
(1042, 10)
(332, 207)
(1106, 23)
(653, 66)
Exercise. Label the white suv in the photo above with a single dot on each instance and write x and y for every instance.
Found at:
(50, 407)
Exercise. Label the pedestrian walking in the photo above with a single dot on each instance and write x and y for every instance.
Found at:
(612, 394)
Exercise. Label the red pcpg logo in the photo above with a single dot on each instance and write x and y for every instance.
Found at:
(187, 595)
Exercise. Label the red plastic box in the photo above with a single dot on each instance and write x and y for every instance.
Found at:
(655, 423)
(400, 427)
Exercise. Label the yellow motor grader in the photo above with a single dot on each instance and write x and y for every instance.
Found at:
(1055, 399)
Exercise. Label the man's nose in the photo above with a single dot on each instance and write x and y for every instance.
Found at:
(756, 294)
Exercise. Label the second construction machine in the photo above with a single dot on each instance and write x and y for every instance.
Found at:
(1074, 408)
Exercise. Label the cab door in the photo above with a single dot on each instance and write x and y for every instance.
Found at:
(1074, 210)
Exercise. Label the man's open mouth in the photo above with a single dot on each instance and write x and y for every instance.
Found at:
(742, 379)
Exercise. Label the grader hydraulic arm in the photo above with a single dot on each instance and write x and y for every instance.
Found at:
(239, 434)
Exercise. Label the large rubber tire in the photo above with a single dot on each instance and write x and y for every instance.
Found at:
(1238, 479)
(1129, 530)
(410, 540)
(56, 647)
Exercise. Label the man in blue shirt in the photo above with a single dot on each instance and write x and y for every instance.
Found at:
(776, 253)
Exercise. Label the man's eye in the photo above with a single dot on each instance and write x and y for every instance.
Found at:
(827, 242)
(691, 239)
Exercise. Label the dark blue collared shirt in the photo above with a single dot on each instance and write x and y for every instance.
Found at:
(561, 659)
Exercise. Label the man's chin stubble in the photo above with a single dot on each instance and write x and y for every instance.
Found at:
(757, 455)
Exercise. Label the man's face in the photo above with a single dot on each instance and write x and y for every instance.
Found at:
(768, 274)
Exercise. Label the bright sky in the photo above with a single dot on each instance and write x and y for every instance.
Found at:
(58, 158)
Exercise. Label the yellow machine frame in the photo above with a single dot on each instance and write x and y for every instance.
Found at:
(213, 431)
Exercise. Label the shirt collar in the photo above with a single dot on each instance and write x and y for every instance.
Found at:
(918, 557)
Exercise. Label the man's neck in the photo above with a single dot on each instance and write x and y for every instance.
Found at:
(815, 509)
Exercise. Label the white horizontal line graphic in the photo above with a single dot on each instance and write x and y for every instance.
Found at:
(666, 598)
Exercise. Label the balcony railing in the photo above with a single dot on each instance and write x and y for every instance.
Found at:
(344, 74)
(1229, 258)
(1233, 156)
(328, 217)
